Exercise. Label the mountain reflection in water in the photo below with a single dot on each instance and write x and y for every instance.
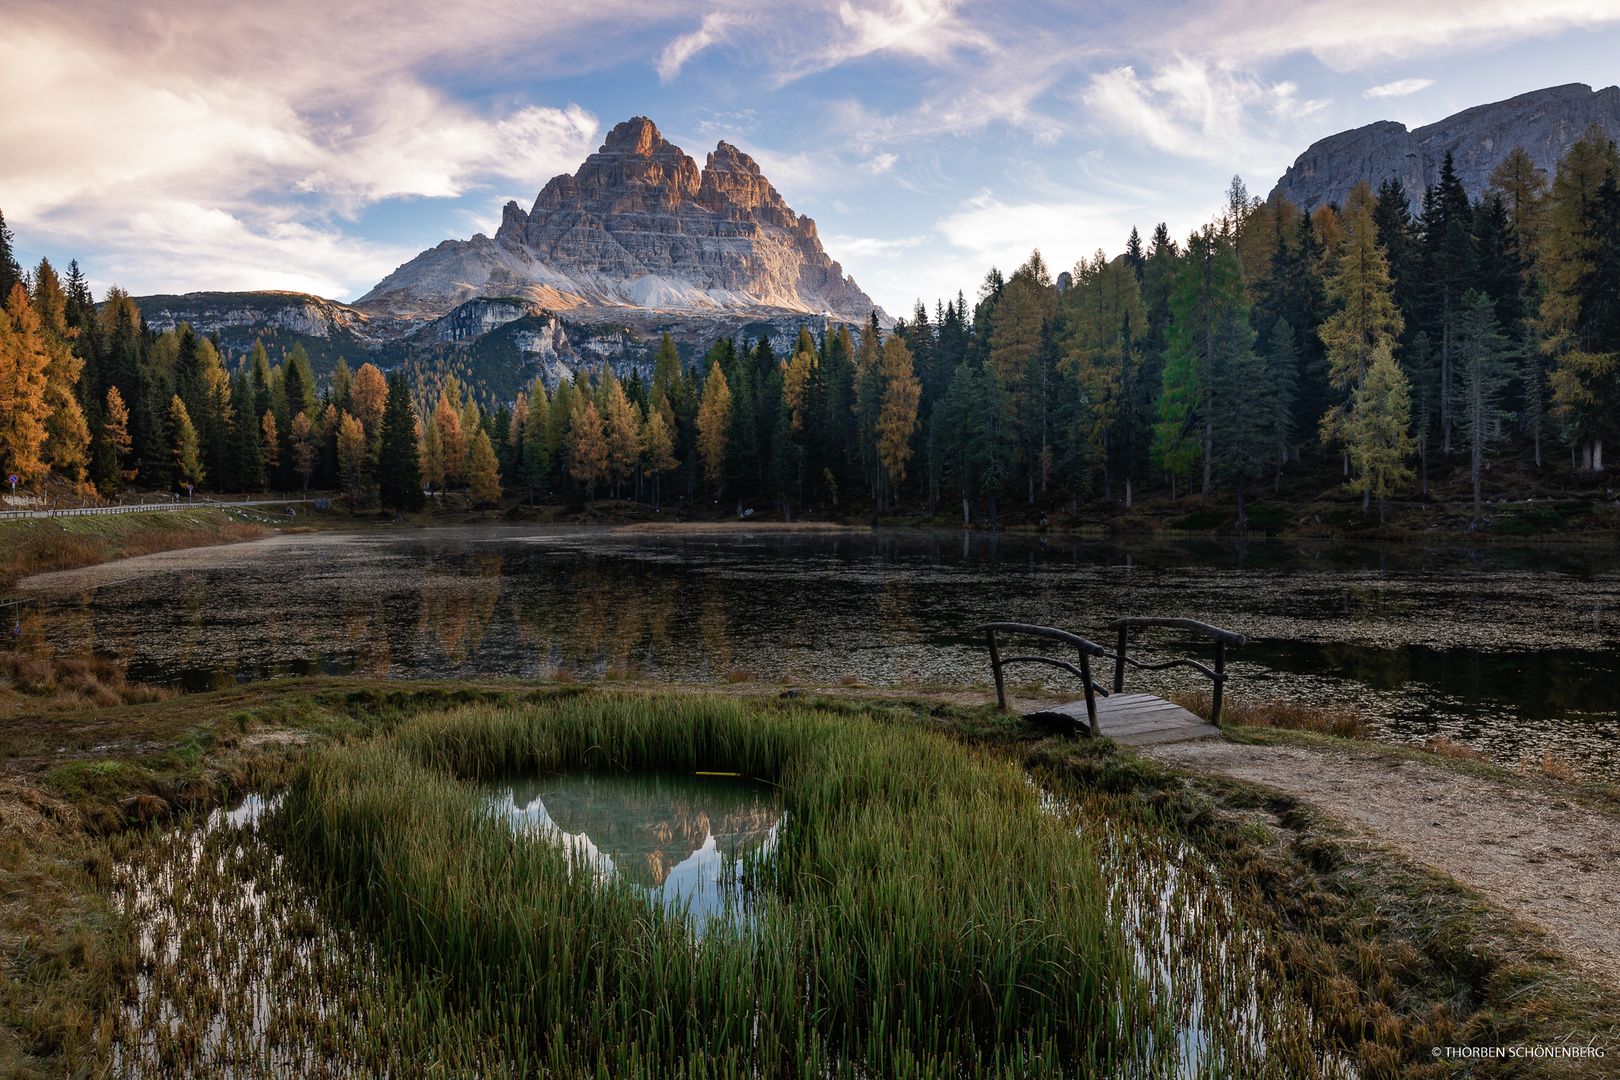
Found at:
(682, 839)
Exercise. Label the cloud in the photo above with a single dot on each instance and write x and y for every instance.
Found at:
(1003, 235)
(870, 247)
(1193, 109)
(1399, 88)
(683, 48)
(1249, 31)
(882, 163)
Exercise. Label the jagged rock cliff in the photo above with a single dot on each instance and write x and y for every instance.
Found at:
(639, 226)
(1545, 122)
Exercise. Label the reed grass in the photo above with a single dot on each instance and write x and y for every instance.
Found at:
(923, 916)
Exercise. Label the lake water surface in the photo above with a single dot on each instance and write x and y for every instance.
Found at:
(1511, 650)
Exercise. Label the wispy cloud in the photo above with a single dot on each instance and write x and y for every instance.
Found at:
(1398, 88)
(683, 48)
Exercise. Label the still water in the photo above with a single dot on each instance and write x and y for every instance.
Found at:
(1510, 650)
(681, 840)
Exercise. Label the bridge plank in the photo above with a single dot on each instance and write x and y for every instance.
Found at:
(1131, 719)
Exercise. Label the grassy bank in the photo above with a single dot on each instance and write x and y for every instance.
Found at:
(40, 545)
(923, 915)
(896, 807)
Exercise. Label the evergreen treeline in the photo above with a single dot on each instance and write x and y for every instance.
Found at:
(1216, 364)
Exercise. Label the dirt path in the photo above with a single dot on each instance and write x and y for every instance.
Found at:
(1541, 858)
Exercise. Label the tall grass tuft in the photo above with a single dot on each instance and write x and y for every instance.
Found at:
(922, 915)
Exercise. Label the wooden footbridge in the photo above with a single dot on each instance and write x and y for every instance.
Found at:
(1133, 719)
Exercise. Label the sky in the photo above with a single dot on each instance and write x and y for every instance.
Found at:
(315, 146)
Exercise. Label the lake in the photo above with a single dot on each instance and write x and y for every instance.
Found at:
(1509, 650)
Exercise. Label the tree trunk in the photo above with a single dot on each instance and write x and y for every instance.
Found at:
(1242, 519)
(1127, 491)
(1423, 463)
(1366, 499)
(1380, 511)
(967, 517)
(1597, 455)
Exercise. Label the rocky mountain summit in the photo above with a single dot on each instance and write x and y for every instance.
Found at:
(638, 228)
(1545, 122)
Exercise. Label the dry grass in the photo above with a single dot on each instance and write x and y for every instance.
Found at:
(849, 680)
(563, 675)
(46, 546)
(619, 673)
(1344, 722)
(81, 682)
(1552, 765)
(1450, 748)
(739, 674)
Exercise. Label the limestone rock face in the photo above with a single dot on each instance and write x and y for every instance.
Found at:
(639, 226)
(1545, 122)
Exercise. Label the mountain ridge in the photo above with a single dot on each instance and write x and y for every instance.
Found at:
(1545, 122)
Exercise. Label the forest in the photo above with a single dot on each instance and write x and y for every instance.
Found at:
(1358, 337)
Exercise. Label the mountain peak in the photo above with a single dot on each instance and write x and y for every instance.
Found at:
(637, 225)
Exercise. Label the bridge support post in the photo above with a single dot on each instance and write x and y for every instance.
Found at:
(995, 666)
(1220, 682)
(1091, 695)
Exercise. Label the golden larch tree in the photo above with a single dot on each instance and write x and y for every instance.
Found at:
(714, 425)
(482, 471)
(303, 447)
(115, 429)
(369, 395)
(587, 444)
(351, 454)
(898, 420)
(621, 424)
(22, 389)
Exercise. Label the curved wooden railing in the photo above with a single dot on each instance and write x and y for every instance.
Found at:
(1086, 649)
(1217, 675)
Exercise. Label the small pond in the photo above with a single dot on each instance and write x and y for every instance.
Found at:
(683, 841)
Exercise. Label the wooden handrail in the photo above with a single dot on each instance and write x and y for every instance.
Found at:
(1218, 676)
(1086, 649)
(1212, 632)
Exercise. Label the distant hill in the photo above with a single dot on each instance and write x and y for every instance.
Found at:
(496, 346)
(638, 229)
(1545, 122)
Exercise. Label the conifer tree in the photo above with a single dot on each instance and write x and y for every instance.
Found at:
(714, 424)
(588, 447)
(67, 436)
(559, 422)
(432, 457)
(368, 398)
(271, 441)
(1208, 295)
(1281, 383)
(246, 438)
(10, 271)
(483, 474)
(1447, 269)
(351, 455)
(452, 438)
(1365, 322)
(299, 383)
(621, 429)
(184, 447)
(1522, 184)
(897, 421)
(301, 441)
(115, 449)
(1482, 373)
(23, 407)
(1378, 431)
(1422, 367)
(399, 474)
(536, 450)
(659, 451)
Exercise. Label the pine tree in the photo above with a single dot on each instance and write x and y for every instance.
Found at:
(115, 449)
(1366, 320)
(659, 451)
(10, 270)
(452, 438)
(1482, 373)
(301, 441)
(588, 447)
(399, 473)
(1208, 294)
(22, 388)
(432, 457)
(185, 449)
(247, 441)
(1447, 268)
(536, 459)
(271, 441)
(67, 436)
(368, 398)
(1522, 184)
(299, 383)
(1585, 379)
(714, 423)
(622, 431)
(897, 421)
(351, 454)
(1281, 381)
(1378, 431)
(483, 474)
